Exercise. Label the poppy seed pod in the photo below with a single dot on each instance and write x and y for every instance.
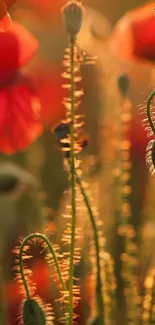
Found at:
(33, 313)
(72, 17)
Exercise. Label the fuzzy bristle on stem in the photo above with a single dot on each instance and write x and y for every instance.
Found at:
(72, 140)
(148, 315)
(72, 62)
(148, 120)
(99, 284)
(52, 256)
(73, 183)
(126, 230)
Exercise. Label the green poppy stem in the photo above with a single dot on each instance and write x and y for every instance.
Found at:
(149, 111)
(99, 284)
(73, 183)
(46, 240)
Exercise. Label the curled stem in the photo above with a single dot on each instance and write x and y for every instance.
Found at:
(149, 111)
(100, 303)
(73, 183)
(45, 239)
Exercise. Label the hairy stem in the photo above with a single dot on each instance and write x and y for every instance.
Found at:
(100, 303)
(45, 239)
(149, 111)
(73, 185)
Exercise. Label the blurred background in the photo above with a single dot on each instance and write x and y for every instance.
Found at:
(32, 182)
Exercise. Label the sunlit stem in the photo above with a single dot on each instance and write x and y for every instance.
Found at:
(131, 301)
(99, 285)
(45, 239)
(73, 183)
(149, 111)
(152, 312)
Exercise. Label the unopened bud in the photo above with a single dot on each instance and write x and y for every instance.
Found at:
(73, 16)
(33, 313)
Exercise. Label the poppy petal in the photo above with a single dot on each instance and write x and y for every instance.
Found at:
(19, 126)
(133, 37)
(48, 85)
(5, 23)
(17, 46)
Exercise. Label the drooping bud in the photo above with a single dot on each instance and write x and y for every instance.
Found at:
(123, 84)
(153, 154)
(72, 17)
(14, 180)
(33, 313)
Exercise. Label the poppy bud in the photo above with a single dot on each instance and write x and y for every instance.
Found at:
(14, 180)
(33, 313)
(153, 154)
(123, 84)
(150, 156)
(72, 17)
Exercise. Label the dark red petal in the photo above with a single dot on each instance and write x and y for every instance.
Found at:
(19, 126)
(17, 46)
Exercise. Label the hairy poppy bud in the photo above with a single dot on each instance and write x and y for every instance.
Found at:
(33, 313)
(153, 154)
(72, 16)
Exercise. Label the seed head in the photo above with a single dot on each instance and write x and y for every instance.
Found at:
(72, 17)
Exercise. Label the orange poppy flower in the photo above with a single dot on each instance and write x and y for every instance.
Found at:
(4, 16)
(133, 37)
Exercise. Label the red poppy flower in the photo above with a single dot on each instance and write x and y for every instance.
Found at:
(48, 86)
(18, 124)
(17, 47)
(19, 127)
(133, 37)
(20, 98)
(4, 17)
